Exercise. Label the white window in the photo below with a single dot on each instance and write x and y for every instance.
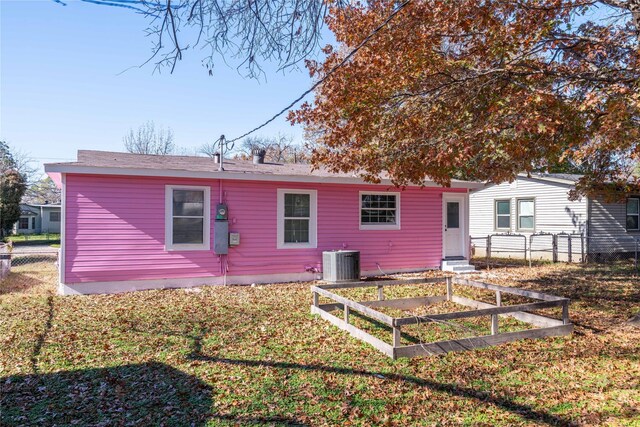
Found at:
(187, 217)
(633, 214)
(526, 214)
(297, 219)
(54, 216)
(502, 211)
(379, 211)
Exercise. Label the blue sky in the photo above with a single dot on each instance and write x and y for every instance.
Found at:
(60, 87)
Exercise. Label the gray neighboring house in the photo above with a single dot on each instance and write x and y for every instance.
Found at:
(36, 219)
(540, 204)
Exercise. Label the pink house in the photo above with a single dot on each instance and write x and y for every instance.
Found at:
(132, 222)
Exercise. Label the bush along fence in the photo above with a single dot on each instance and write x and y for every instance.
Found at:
(556, 247)
(34, 238)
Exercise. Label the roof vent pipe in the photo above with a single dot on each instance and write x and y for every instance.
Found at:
(258, 155)
(216, 158)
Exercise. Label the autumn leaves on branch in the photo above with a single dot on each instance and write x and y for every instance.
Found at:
(481, 90)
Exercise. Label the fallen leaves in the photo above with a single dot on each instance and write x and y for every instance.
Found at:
(240, 355)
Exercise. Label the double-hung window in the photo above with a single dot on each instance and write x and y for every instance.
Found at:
(526, 214)
(379, 211)
(633, 214)
(54, 216)
(297, 219)
(502, 215)
(24, 223)
(188, 216)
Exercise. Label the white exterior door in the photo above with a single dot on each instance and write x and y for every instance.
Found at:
(454, 221)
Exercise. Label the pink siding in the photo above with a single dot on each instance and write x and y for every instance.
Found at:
(115, 228)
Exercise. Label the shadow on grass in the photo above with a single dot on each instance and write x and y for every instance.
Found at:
(603, 290)
(138, 394)
(505, 403)
(43, 335)
(19, 282)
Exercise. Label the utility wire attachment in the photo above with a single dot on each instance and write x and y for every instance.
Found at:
(224, 146)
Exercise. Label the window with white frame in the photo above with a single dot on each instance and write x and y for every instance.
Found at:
(633, 213)
(297, 219)
(502, 211)
(526, 214)
(188, 217)
(379, 211)
(54, 216)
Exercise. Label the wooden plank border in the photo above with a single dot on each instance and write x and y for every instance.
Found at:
(355, 332)
(534, 319)
(547, 326)
(388, 320)
(477, 313)
(507, 290)
(463, 344)
(375, 283)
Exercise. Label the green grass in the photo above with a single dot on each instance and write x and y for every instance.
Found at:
(255, 356)
(33, 238)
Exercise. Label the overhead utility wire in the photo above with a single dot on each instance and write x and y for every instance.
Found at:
(330, 72)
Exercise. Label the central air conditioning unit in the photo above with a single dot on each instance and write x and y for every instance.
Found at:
(341, 266)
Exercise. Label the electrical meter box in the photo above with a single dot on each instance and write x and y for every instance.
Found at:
(222, 212)
(221, 237)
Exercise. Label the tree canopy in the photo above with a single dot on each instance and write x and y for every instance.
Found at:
(481, 90)
(469, 89)
(149, 140)
(12, 188)
(42, 192)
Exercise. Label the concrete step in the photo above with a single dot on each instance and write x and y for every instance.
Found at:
(455, 262)
(464, 269)
(457, 266)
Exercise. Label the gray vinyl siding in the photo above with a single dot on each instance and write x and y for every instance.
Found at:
(48, 226)
(607, 227)
(42, 217)
(554, 213)
(31, 229)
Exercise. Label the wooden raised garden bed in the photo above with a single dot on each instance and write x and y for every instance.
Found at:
(544, 326)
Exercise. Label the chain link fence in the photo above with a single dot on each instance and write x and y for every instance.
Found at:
(20, 264)
(499, 249)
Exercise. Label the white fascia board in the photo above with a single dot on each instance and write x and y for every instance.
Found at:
(548, 179)
(240, 176)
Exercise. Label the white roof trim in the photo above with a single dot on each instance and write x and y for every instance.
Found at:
(548, 178)
(242, 176)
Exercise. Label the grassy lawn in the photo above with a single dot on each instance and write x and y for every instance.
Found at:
(33, 238)
(255, 356)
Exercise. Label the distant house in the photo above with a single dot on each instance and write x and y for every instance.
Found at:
(540, 204)
(135, 221)
(36, 219)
